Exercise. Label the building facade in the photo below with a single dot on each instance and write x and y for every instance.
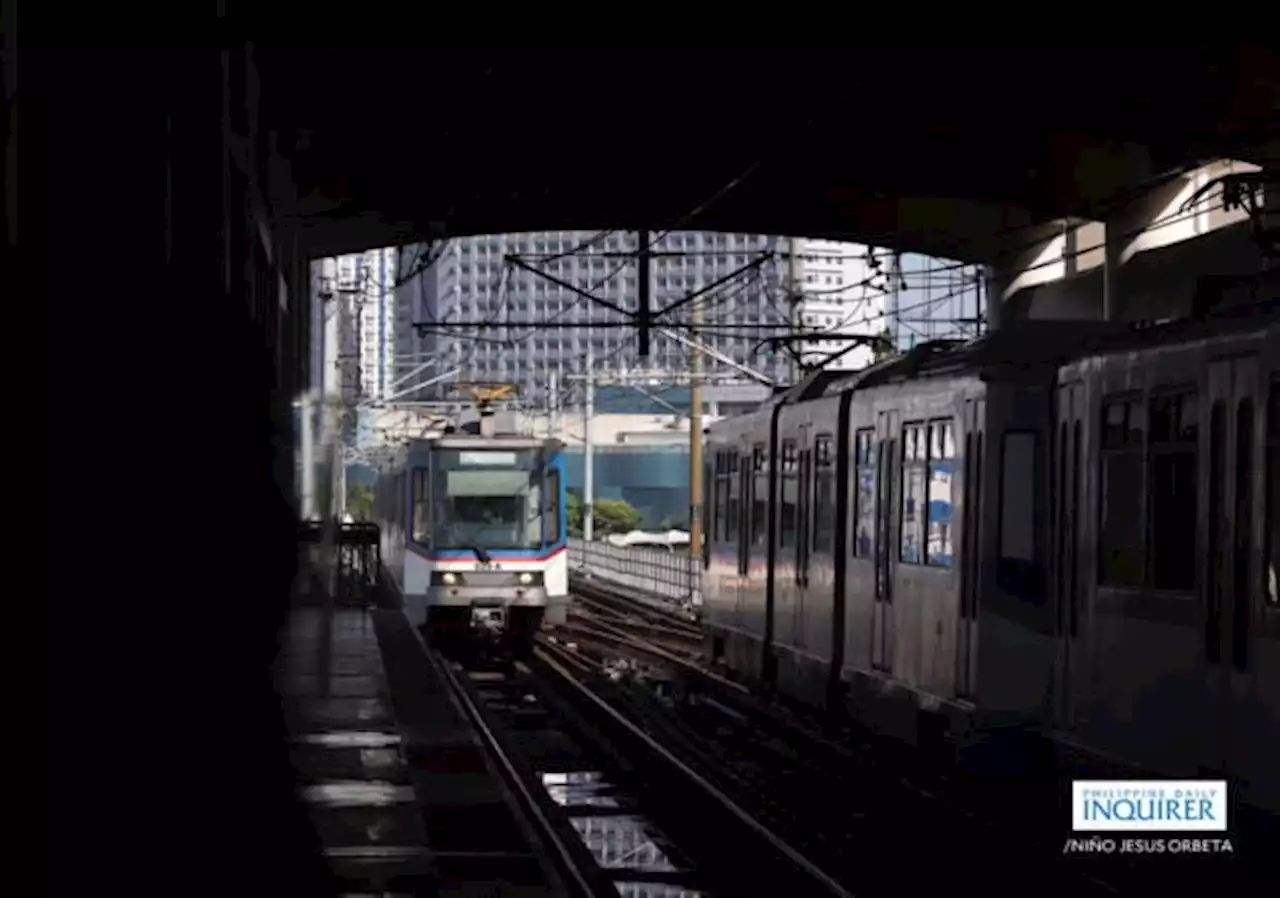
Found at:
(362, 285)
(844, 290)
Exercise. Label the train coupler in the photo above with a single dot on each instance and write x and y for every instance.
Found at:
(488, 621)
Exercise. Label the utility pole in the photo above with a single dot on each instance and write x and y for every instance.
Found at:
(307, 434)
(795, 278)
(695, 443)
(895, 298)
(588, 447)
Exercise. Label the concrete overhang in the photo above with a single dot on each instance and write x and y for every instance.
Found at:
(951, 153)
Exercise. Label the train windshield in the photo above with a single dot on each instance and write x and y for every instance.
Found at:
(487, 499)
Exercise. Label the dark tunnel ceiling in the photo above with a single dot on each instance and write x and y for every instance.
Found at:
(484, 141)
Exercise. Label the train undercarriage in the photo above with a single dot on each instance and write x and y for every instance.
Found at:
(486, 629)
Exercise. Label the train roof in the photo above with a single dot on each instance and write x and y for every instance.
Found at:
(1026, 344)
(1038, 344)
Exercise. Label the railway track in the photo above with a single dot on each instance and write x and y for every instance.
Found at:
(665, 616)
(618, 812)
(855, 805)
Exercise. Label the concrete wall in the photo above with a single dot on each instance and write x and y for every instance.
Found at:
(1168, 243)
(1155, 284)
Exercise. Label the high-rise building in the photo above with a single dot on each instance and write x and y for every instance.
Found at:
(500, 322)
(844, 288)
(364, 285)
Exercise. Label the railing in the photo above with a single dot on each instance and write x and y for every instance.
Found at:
(347, 571)
(671, 575)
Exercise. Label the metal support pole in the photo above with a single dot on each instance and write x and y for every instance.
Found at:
(643, 306)
(695, 448)
(307, 426)
(993, 294)
(1111, 270)
(795, 280)
(588, 447)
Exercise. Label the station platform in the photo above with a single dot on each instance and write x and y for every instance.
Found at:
(395, 781)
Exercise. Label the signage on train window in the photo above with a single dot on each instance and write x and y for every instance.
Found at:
(488, 459)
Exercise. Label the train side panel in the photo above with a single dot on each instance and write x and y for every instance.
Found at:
(737, 576)
(903, 584)
(1171, 657)
(1009, 622)
(720, 600)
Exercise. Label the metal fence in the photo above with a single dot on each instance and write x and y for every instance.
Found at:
(671, 575)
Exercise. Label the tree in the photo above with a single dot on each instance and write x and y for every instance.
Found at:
(611, 515)
(360, 501)
(616, 516)
(573, 512)
(673, 522)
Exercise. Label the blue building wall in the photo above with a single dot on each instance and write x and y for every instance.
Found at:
(655, 480)
(630, 401)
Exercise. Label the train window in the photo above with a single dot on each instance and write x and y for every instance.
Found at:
(824, 497)
(553, 506)
(914, 450)
(421, 508)
(938, 503)
(789, 519)
(804, 509)
(1215, 515)
(732, 500)
(1271, 570)
(1244, 534)
(713, 510)
(865, 507)
(1017, 499)
(789, 456)
(1172, 469)
(399, 500)
(710, 499)
(1120, 538)
(1173, 418)
(759, 484)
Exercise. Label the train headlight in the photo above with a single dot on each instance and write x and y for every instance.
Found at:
(448, 579)
(526, 578)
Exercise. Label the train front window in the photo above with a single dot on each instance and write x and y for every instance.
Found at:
(487, 499)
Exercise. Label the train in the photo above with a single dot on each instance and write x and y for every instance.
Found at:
(474, 535)
(1061, 534)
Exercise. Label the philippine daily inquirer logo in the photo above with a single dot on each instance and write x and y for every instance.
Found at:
(1149, 805)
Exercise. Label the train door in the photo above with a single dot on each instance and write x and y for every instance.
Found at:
(1225, 615)
(1070, 663)
(804, 527)
(888, 465)
(743, 534)
(1229, 585)
(970, 556)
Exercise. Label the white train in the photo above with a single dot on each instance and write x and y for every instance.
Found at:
(969, 543)
(474, 534)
